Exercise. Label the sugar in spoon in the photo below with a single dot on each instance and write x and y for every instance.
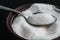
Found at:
(32, 19)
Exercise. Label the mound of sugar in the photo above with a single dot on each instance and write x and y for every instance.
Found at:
(23, 29)
(41, 19)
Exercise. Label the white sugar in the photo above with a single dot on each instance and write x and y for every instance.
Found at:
(23, 29)
(41, 19)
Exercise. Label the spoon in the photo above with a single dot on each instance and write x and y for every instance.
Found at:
(29, 18)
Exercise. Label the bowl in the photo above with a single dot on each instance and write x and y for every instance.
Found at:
(11, 17)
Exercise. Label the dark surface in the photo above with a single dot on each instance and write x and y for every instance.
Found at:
(4, 32)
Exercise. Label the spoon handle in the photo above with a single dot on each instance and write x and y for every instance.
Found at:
(9, 9)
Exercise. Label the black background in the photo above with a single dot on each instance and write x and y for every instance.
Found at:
(4, 32)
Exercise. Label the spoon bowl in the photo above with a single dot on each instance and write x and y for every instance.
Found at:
(42, 19)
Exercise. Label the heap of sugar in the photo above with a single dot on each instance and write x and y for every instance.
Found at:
(23, 29)
(41, 19)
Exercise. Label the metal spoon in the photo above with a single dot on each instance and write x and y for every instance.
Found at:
(26, 18)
